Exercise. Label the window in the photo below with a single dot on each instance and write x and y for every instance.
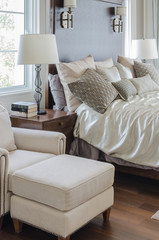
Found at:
(16, 18)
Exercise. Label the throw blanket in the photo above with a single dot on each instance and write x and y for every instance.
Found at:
(128, 129)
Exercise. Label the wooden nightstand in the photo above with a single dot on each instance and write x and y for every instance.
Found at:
(58, 121)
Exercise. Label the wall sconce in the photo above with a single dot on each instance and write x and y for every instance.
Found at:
(118, 22)
(67, 18)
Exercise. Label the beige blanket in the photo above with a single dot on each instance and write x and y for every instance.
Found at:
(128, 129)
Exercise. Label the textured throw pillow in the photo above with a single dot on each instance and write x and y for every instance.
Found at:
(6, 134)
(124, 71)
(144, 84)
(106, 63)
(127, 62)
(57, 91)
(93, 90)
(125, 88)
(70, 72)
(143, 69)
(109, 74)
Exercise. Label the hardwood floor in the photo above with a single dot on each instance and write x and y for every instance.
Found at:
(136, 200)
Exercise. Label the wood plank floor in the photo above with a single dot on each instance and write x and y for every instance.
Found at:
(136, 200)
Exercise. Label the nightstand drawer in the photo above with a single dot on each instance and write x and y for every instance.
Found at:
(60, 124)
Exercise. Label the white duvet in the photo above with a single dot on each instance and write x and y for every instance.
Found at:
(128, 129)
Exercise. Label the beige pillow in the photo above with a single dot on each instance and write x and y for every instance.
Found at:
(109, 74)
(93, 90)
(144, 84)
(143, 69)
(106, 63)
(127, 62)
(124, 71)
(6, 134)
(70, 72)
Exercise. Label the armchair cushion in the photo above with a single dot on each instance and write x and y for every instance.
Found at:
(20, 159)
(6, 134)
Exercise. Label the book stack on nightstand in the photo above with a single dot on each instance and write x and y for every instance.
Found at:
(24, 109)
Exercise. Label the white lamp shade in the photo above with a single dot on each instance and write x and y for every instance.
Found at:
(121, 11)
(69, 3)
(144, 48)
(37, 49)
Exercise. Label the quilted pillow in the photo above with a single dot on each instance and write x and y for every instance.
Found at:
(143, 69)
(6, 134)
(125, 88)
(93, 90)
(110, 74)
(70, 72)
(144, 84)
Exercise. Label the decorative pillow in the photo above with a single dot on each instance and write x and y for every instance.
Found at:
(125, 88)
(70, 72)
(124, 71)
(127, 62)
(93, 90)
(143, 69)
(106, 63)
(144, 84)
(6, 134)
(109, 74)
(57, 91)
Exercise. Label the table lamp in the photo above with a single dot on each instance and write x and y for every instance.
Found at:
(144, 49)
(38, 49)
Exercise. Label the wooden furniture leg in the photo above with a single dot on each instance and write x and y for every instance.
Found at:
(1, 222)
(17, 225)
(60, 238)
(106, 215)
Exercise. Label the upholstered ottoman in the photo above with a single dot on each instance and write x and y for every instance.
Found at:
(62, 194)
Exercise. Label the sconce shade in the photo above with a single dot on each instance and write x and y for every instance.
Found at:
(121, 11)
(144, 48)
(69, 3)
(37, 49)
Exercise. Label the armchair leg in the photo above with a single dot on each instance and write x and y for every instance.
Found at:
(1, 222)
(106, 215)
(60, 238)
(17, 225)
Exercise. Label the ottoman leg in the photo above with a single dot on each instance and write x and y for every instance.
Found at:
(1, 222)
(106, 215)
(61, 238)
(17, 225)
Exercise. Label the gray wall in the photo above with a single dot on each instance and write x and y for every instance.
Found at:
(92, 33)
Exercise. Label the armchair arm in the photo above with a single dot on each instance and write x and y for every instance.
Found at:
(4, 162)
(40, 140)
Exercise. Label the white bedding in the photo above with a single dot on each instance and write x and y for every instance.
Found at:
(128, 129)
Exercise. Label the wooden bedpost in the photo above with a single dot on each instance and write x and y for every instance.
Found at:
(106, 215)
(1, 222)
(17, 225)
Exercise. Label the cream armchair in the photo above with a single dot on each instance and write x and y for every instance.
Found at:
(32, 146)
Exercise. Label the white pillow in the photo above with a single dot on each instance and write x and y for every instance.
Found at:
(6, 134)
(106, 63)
(124, 71)
(110, 74)
(70, 72)
(144, 84)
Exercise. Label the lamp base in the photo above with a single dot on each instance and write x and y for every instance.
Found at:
(41, 112)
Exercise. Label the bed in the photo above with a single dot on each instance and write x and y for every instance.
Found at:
(126, 133)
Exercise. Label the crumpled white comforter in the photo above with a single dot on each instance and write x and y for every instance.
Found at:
(128, 129)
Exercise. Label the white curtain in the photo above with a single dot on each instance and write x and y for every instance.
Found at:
(155, 9)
